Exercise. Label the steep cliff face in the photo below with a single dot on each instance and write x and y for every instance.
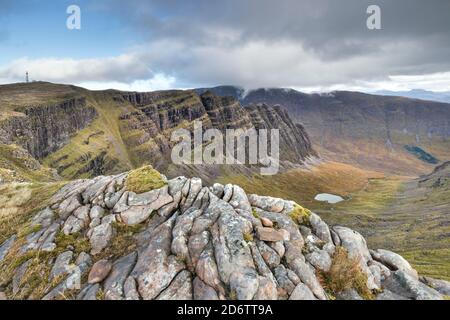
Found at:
(296, 142)
(139, 236)
(357, 128)
(147, 130)
(44, 129)
(167, 109)
(225, 112)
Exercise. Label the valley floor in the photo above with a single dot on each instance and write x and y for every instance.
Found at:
(391, 212)
(402, 216)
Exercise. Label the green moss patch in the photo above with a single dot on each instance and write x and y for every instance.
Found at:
(144, 179)
(76, 241)
(255, 214)
(300, 215)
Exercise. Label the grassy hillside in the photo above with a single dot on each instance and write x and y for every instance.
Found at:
(302, 185)
(13, 96)
(402, 215)
(100, 144)
(17, 165)
(374, 153)
(19, 202)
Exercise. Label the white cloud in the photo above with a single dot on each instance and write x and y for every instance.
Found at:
(167, 64)
(306, 44)
(437, 82)
(126, 67)
(434, 82)
(158, 82)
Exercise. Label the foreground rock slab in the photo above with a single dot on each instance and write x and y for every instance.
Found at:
(185, 241)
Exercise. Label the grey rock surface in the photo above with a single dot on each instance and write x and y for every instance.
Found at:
(186, 241)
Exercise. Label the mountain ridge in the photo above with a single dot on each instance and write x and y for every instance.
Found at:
(369, 131)
(112, 131)
(419, 94)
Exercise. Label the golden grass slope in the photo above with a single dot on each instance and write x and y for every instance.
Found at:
(102, 138)
(302, 185)
(403, 216)
(17, 165)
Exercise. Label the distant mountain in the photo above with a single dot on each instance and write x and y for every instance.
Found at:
(419, 94)
(369, 130)
(230, 91)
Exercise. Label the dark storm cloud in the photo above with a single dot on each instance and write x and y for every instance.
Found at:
(290, 43)
(314, 23)
(331, 33)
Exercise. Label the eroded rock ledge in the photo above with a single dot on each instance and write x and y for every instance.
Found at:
(100, 240)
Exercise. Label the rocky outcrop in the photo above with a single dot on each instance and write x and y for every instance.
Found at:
(189, 241)
(44, 129)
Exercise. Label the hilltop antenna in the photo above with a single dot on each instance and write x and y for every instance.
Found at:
(27, 79)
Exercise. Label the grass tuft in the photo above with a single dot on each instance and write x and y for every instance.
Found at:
(100, 295)
(300, 215)
(144, 179)
(345, 274)
(77, 241)
(28, 229)
(248, 237)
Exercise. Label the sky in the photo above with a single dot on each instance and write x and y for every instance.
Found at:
(308, 45)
